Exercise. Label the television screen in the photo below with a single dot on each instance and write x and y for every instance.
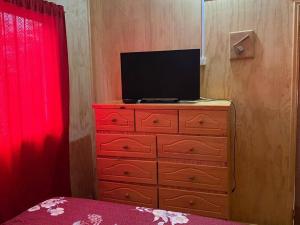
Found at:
(161, 74)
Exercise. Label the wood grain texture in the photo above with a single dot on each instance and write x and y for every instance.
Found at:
(296, 128)
(128, 194)
(206, 204)
(115, 119)
(143, 25)
(261, 89)
(216, 105)
(203, 122)
(192, 147)
(133, 171)
(81, 116)
(126, 145)
(193, 176)
(82, 173)
(204, 174)
(162, 121)
(79, 52)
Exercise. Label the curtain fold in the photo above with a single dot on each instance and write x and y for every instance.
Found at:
(34, 105)
(40, 6)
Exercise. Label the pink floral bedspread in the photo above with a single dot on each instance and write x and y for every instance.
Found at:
(72, 211)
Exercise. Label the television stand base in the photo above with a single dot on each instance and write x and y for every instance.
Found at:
(159, 100)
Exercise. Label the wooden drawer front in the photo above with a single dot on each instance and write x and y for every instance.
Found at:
(203, 122)
(115, 119)
(193, 176)
(127, 170)
(204, 204)
(192, 147)
(124, 145)
(162, 121)
(129, 194)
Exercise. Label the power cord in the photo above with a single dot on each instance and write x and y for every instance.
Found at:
(234, 137)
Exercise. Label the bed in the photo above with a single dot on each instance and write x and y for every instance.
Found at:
(73, 211)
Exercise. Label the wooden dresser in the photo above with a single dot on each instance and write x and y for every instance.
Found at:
(168, 156)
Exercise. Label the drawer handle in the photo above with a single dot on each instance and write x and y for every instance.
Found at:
(192, 202)
(192, 178)
(127, 195)
(125, 147)
(126, 173)
(114, 120)
(201, 122)
(192, 150)
(155, 121)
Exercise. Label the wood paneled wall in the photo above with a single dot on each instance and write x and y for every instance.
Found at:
(261, 89)
(138, 25)
(297, 139)
(81, 116)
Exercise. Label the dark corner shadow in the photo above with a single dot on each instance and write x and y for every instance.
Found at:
(36, 173)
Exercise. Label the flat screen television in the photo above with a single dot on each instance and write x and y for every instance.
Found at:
(160, 75)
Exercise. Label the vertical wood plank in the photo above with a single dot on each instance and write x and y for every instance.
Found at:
(81, 116)
(261, 89)
(131, 25)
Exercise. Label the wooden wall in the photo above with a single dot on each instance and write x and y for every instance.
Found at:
(81, 117)
(138, 25)
(261, 89)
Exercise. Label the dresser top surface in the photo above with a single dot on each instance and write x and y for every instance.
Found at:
(201, 104)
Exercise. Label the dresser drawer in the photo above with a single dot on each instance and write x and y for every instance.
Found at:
(203, 122)
(126, 145)
(193, 176)
(136, 171)
(129, 194)
(204, 204)
(114, 119)
(160, 121)
(192, 147)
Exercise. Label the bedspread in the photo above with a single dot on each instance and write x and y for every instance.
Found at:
(73, 211)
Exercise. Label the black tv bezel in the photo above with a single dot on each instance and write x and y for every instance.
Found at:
(159, 100)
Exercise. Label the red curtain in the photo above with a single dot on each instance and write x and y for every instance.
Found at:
(34, 105)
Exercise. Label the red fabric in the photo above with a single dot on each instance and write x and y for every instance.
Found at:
(88, 212)
(34, 105)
